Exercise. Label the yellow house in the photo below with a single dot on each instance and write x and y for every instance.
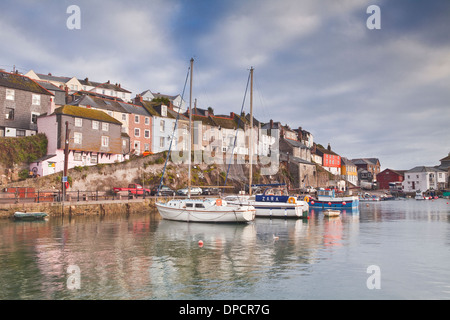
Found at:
(349, 171)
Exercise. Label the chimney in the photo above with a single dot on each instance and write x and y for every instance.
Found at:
(271, 124)
(51, 106)
(329, 147)
(138, 99)
(108, 82)
(49, 74)
(300, 133)
(86, 79)
(232, 115)
(314, 148)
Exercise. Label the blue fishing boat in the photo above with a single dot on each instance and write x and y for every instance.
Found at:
(327, 199)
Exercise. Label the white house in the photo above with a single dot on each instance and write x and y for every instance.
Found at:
(424, 178)
(178, 104)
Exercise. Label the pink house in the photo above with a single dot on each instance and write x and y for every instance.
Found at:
(94, 138)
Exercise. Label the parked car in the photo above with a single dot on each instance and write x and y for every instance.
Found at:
(133, 188)
(195, 191)
(164, 191)
(209, 191)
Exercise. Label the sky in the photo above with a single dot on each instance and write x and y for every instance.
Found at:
(378, 93)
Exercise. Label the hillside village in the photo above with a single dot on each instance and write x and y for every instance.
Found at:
(108, 124)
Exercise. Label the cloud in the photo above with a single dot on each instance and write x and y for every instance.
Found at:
(375, 93)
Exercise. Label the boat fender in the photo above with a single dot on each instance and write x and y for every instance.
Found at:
(291, 200)
(218, 202)
(306, 199)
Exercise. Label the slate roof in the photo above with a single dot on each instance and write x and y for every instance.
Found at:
(424, 169)
(19, 82)
(81, 112)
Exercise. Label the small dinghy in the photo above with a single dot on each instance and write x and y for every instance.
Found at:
(331, 213)
(29, 215)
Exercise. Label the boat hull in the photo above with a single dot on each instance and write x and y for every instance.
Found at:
(30, 215)
(331, 213)
(280, 210)
(230, 214)
(336, 203)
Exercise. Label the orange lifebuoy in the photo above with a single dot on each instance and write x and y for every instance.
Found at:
(306, 199)
(66, 184)
(218, 202)
(291, 200)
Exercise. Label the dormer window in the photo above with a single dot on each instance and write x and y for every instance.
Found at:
(164, 111)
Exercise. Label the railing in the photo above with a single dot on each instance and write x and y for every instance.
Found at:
(29, 195)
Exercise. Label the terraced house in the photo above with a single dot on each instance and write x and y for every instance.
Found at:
(94, 137)
(22, 101)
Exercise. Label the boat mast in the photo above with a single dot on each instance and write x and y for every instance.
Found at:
(190, 130)
(250, 152)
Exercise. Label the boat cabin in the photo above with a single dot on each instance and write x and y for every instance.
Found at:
(274, 193)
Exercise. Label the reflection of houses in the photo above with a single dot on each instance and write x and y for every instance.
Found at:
(349, 171)
(424, 178)
(387, 176)
(94, 137)
(22, 101)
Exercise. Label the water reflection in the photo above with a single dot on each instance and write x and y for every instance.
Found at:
(143, 257)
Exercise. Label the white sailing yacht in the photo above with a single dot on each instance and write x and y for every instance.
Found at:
(202, 210)
(275, 201)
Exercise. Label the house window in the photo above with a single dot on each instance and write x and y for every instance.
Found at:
(34, 117)
(124, 117)
(137, 132)
(164, 111)
(20, 133)
(162, 125)
(78, 122)
(146, 146)
(105, 141)
(94, 159)
(95, 125)
(9, 94)
(105, 126)
(136, 119)
(36, 100)
(161, 142)
(77, 137)
(147, 120)
(9, 114)
(147, 133)
(77, 156)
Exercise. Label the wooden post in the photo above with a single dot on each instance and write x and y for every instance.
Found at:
(250, 152)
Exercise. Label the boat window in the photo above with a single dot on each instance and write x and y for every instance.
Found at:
(189, 205)
(199, 205)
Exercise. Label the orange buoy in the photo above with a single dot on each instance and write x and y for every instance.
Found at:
(200, 243)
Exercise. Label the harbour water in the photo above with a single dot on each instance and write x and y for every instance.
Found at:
(140, 256)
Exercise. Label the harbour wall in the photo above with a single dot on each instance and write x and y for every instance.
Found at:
(103, 207)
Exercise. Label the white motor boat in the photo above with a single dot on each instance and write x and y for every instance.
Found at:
(274, 202)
